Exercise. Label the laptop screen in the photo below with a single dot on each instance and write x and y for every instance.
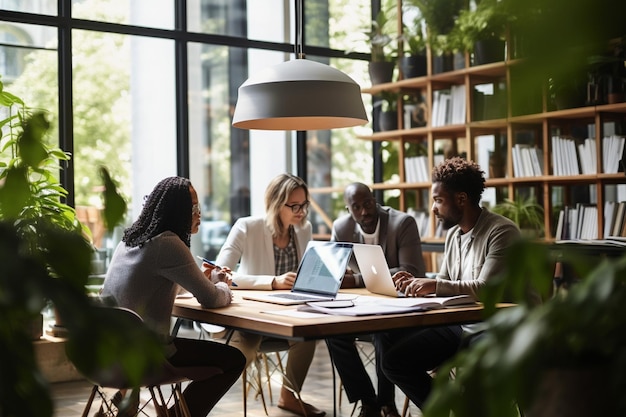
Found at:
(322, 267)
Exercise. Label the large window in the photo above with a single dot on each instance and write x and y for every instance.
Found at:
(147, 88)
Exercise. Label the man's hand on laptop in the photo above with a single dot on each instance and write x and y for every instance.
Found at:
(284, 281)
(414, 287)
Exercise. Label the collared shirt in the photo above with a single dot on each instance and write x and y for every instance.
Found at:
(286, 259)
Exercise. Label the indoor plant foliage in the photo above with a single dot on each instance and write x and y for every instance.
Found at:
(389, 110)
(383, 54)
(487, 23)
(413, 43)
(576, 337)
(45, 255)
(439, 16)
(525, 212)
(381, 36)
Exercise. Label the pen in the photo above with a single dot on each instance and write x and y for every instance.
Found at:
(234, 284)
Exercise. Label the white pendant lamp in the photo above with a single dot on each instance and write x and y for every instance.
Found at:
(299, 95)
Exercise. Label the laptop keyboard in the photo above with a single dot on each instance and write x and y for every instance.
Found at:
(291, 296)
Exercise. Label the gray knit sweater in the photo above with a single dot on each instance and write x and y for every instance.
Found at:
(147, 278)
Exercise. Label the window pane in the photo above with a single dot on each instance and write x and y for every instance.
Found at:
(30, 6)
(124, 116)
(210, 87)
(339, 25)
(148, 13)
(337, 157)
(19, 45)
(263, 20)
(29, 70)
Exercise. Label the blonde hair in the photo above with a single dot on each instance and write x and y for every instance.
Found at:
(276, 195)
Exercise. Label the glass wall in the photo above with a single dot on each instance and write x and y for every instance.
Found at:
(152, 95)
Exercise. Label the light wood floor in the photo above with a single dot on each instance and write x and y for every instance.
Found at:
(70, 397)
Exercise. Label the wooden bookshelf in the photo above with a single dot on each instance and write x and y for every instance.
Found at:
(507, 126)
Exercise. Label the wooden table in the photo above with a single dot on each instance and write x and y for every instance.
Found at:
(254, 316)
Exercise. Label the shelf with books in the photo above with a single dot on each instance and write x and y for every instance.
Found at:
(503, 120)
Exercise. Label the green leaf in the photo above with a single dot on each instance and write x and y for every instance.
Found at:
(32, 149)
(15, 193)
(114, 204)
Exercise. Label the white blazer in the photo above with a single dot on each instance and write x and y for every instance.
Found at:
(249, 244)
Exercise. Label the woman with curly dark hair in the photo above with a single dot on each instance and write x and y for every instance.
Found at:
(149, 268)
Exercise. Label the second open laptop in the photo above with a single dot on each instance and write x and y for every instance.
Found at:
(319, 275)
(374, 270)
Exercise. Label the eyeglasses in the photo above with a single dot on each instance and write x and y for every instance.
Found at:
(296, 208)
(367, 205)
(195, 209)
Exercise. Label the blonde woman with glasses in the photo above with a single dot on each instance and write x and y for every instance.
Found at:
(268, 250)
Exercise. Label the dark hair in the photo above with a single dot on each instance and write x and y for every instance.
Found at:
(168, 207)
(458, 175)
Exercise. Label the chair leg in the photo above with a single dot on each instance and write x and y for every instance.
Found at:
(340, 391)
(92, 395)
(181, 404)
(268, 377)
(257, 383)
(244, 381)
(405, 408)
(260, 386)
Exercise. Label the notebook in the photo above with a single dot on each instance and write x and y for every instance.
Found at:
(318, 278)
(374, 270)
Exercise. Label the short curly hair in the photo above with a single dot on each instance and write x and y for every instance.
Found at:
(458, 175)
(167, 208)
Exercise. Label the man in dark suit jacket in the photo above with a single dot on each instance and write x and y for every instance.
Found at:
(370, 223)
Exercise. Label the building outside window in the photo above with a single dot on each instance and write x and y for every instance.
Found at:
(152, 89)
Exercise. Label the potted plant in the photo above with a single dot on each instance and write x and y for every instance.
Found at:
(564, 356)
(482, 30)
(412, 63)
(607, 75)
(45, 256)
(439, 17)
(525, 212)
(382, 52)
(389, 110)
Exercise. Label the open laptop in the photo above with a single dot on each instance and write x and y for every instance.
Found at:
(318, 278)
(374, 270)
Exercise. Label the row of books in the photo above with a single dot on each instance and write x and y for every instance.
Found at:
(564, 156)
(577, 222)
(527, 161)
(580, 222)
(615, 218)
(572, 158)
(613, 153)
(448, 106)
(416, 169)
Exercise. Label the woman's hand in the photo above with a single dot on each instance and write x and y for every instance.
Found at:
(284, 281)
(217, 274)
(220, 275)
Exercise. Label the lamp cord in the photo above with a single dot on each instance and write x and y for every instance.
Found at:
(299, 27)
